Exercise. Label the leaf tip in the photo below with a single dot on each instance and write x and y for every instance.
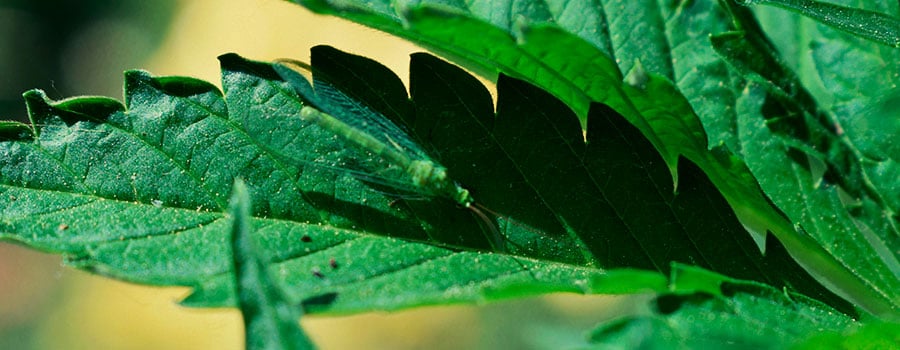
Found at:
(637, 77)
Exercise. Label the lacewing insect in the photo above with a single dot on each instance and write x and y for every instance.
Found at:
(425, 175)
(371, 131)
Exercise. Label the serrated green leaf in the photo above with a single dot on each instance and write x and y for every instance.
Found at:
(537, 45)
(577, 62)
(139, 193)
(600, 138)
(816, 172)
(727, 314)
(860, 237)
(270, 322)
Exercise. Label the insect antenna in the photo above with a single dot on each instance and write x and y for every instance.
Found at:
(497, 239)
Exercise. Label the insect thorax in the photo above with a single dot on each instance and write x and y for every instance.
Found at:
(428, 175)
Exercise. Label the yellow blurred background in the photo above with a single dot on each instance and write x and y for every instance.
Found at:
(46, 306)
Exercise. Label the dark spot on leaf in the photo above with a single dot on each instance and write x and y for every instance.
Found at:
(319, 302)
(233, 62)
(306, 239)
(729, 289)
(670, 303)
(667, 304)
(185, 87)
(799, 157)
(333, 263)
(318, 273)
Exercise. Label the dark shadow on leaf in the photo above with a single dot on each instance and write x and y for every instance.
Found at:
(363, 217)
(432, 221)
(185, 87)
(370, 81)
(799, 157)
(729, 289)
(670, 303)
(318, 303)
(15, 131)
(796, 278)
(71, 111)
(238, 64)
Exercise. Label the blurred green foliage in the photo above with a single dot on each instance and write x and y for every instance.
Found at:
(39, 38)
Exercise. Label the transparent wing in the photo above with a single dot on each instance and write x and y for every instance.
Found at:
(360, 116)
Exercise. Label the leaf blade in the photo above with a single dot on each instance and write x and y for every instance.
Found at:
(581, 68)
(254, 133)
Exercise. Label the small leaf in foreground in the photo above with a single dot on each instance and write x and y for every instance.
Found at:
(270, 321)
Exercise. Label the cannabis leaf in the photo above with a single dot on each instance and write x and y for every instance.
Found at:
(139, 192)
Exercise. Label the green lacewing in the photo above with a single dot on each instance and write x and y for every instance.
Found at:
(371, 131)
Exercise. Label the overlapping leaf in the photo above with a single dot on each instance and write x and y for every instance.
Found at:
(581, 58)
(839, 186)
(580, 50)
